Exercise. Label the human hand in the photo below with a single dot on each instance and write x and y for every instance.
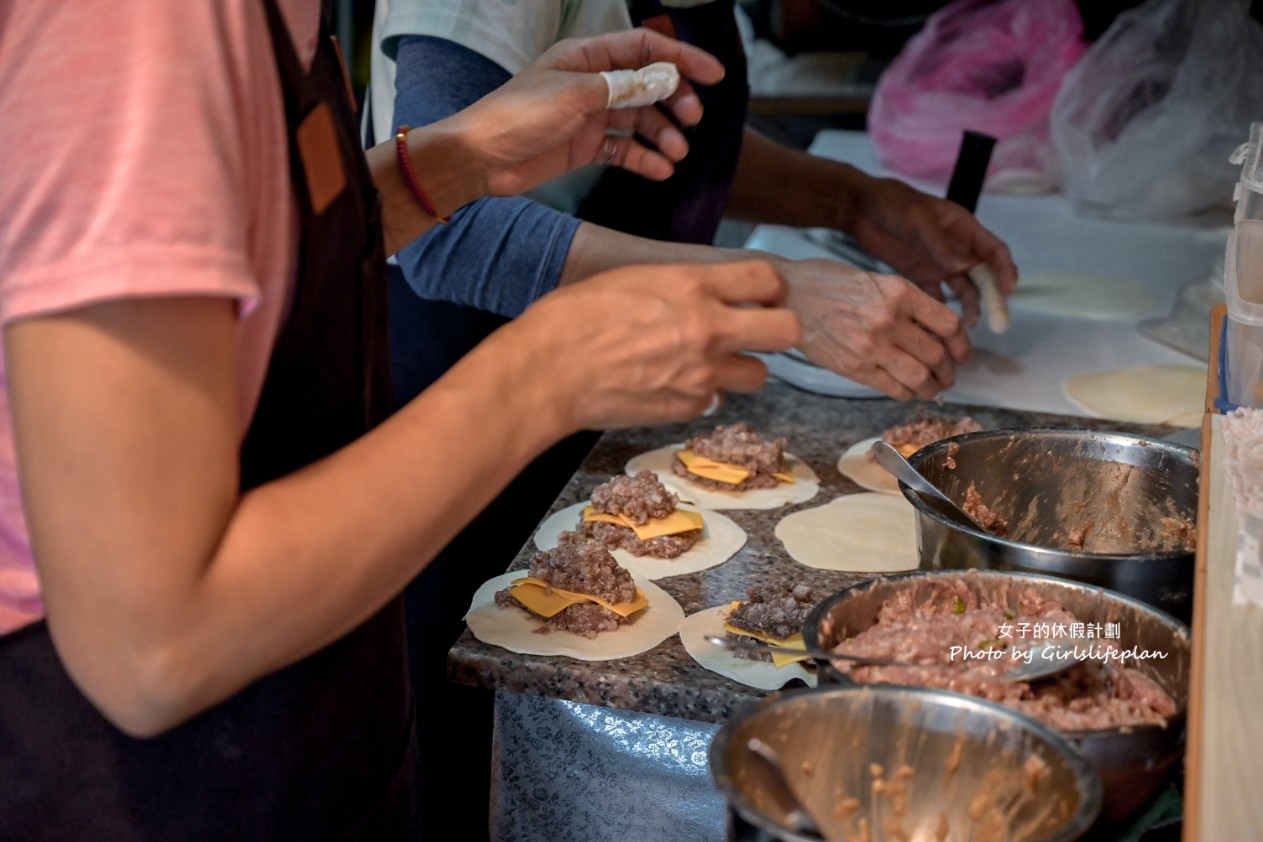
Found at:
(930, 241)
(878, 330)
(652, 344)
(553, 115)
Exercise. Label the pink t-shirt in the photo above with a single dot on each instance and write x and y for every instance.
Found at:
(144, 154)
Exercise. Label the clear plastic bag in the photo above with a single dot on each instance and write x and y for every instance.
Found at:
(993, 67)
(1145, 122)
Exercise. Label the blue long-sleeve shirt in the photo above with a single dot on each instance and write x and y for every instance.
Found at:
(496, 254)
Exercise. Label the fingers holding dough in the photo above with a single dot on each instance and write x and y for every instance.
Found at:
(637, 88)
(993, 303)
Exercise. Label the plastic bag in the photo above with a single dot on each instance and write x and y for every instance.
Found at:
(993, 67)
(1145, 123)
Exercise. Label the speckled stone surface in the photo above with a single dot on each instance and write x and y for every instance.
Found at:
(666, 680)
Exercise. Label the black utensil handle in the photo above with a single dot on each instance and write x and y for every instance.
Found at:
(971, 169)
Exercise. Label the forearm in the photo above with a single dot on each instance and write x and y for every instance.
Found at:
(549, 119)
(596, 249)
(496, 254)
(166, 591)
(930, 241)
(436, 79)
(778, 185)
(354, 529)
(444, 169)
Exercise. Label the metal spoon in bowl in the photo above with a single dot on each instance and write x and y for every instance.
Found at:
(1049, 658)
(767, 763)
(892, 460)
(752, 645)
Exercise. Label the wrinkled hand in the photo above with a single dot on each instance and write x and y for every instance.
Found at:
(654, 344)
(930, 241)
(879, 330)
(552, 116)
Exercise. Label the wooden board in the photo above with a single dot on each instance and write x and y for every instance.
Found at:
(1225, 759)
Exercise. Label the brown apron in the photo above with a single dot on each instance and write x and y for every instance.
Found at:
(322, 749)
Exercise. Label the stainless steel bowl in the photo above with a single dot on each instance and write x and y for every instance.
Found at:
(1046, 481)
(1134, 764)
(951, 767)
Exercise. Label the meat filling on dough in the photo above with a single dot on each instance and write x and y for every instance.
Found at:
(911, 437)
(776, 611)
(740, 445)
(585, 568)
(640, 498)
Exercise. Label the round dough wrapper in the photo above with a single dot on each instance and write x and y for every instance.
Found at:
(805, 485)
(858, 465)
(721, 539)
(513, 629)
(1082, 296)
(1191, 419)
(1146, 394)
(761, 674)
(858, 533)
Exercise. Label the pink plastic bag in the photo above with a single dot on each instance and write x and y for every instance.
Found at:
(993, 67)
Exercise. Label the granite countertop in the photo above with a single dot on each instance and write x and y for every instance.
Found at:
(666, 680)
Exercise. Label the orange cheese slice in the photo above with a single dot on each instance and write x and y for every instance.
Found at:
(673, 524)
(547, 601)
(720, 471)
(794, 641)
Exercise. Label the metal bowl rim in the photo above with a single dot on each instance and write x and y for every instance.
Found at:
(1086, 778)
(937, 447)
(812, 623)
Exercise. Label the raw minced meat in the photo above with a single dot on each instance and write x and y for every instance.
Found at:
(911, 437)
(586, 568)
(920, 627)
(615, 537)
(640, 498)
(1035, 770)
(736, 444)
(1098, 522)
(1165, 534)
(1177, 533)
(983, 516)
(778, 611)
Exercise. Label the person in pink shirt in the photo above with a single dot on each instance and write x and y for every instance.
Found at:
(207, 515)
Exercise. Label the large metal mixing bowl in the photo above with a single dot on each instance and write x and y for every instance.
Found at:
(1045, 482)
(1134, 764)
(907, 763)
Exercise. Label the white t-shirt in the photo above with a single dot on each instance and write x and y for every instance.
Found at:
(512, 33)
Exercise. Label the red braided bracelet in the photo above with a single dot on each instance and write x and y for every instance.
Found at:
(410, 177)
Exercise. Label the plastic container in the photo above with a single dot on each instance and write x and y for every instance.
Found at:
(1243, 291)
(1243, 279)
(1248, 193)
